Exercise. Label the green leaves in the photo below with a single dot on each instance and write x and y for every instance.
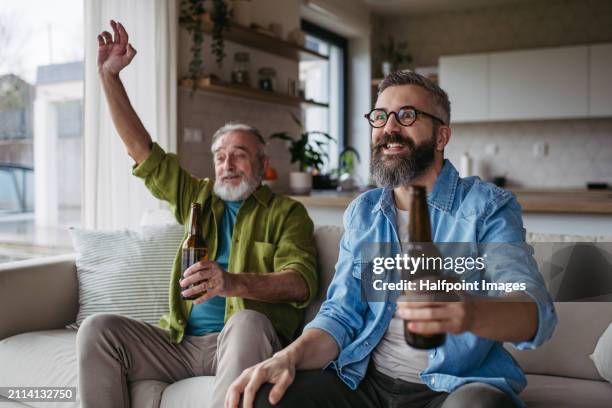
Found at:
(308, 152)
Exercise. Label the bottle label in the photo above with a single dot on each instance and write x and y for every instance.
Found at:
(191, 256)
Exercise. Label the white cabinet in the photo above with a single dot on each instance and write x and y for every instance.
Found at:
(539, 84)
(465, 79)
(600, 75)
(548, 83)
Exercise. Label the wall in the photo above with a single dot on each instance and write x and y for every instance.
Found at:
(208, 112)
(579, 150)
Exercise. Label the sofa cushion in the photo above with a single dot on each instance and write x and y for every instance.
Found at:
(193, 392)
(602, 356)
(327, 239)
(544, 391)
(40, 359)
(567, 353)
(125, 272)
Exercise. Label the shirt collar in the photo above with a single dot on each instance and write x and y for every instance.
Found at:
(441, 196)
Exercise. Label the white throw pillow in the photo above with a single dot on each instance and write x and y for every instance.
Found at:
(602, 356)
(125, 272)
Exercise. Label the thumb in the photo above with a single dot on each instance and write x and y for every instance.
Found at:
(131, 52)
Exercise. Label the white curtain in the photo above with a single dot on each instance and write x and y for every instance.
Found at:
(112, 197)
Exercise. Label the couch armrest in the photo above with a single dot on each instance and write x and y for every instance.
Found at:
(38, 294)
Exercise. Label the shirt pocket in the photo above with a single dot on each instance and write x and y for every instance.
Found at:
(262, 257)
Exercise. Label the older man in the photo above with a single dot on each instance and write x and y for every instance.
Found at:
(353, 354)
(249, 300)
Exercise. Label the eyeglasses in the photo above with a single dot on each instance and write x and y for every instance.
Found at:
(406, 116)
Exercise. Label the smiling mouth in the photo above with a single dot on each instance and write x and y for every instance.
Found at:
(230, 178)
(393, 148)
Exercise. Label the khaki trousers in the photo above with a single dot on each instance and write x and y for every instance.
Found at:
(113, 351)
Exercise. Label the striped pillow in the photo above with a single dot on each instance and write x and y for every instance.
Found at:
(125, 272)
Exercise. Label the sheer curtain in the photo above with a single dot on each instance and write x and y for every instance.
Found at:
(112, 197)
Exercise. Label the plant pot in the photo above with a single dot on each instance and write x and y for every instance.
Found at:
(241, 12)
(387, 67)
(300, 182)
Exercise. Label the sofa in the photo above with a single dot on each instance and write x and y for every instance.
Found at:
(38, 298)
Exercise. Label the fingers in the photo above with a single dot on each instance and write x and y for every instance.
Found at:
(131, 52)
(117, 38)
(426, 313)
(258, 377)
(279, 389)
(199, 266)
(209, 292)
(108, 38)
(101, 42)
(232, 397)
(433, 327)
(123, 34)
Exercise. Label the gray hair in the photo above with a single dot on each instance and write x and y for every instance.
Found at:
(439, 98)
(241, 127)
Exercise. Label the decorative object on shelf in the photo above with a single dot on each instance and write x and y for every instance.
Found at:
(292, 87)
(267, 79)
(309, 153)
(393, 55)
(194, 17)
(276, 29)
(297, 37)
(346, 167)
(241, 12)
(241, 68)
(270, 176)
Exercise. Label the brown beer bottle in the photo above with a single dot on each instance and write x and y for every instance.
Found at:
(194, 247)
(419, 233)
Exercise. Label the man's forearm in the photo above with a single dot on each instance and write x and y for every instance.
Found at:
(128, 124)
(277, 287)
(313, 350)
(505, 320)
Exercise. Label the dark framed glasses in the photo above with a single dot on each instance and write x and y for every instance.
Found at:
(406, 116)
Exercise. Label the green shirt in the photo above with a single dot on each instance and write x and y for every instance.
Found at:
(272, 233)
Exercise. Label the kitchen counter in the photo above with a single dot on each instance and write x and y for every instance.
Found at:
(552, 201)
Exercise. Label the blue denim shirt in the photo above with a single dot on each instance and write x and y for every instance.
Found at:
(460, 210)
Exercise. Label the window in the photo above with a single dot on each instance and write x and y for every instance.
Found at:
(41, 132)
(325, 81)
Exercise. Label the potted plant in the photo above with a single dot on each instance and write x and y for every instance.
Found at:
(393, 56)
(308, 152)
(346, 166)
(194, 17)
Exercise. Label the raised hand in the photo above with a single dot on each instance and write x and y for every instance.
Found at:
(116, 53)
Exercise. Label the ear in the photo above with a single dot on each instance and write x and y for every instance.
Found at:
(443, 136)
(266, 163)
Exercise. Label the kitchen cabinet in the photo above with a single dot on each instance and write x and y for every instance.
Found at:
(548, 83)
(465, 79)
(600, 86)
(539, 84)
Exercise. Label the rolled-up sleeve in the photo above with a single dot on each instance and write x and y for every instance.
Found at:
(296, 250)
(511, 260)
(342, 313)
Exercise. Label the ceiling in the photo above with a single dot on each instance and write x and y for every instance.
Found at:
(407, 7)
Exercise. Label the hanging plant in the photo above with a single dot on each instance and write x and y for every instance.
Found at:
(193, 16)
(221, 23)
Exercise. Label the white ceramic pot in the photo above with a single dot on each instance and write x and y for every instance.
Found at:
(241, 12)
(300, 182)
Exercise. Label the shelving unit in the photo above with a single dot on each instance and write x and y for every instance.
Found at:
(252, 38)
(250, 93)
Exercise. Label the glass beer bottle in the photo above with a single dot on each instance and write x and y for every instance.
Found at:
(419, 233)
(194, 247)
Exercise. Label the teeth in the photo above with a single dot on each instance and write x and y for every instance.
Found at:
(394, 145)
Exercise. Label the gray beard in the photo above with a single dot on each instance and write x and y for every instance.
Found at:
(238, 193)
(401, 169)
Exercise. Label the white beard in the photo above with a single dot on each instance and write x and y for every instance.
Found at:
(236, 193)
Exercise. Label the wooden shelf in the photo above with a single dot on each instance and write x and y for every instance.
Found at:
(267, 43)
(251, 93)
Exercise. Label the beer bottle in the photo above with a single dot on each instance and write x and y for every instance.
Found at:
(419, 233)
(194, 247)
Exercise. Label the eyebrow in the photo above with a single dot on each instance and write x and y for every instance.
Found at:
(239, 147)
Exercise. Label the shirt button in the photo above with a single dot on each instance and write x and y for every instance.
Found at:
(367, 344)
(433, 380)
(180, 321)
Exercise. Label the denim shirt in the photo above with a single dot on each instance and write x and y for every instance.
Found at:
(460, 210)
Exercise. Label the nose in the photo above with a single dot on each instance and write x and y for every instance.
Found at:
(392, 125)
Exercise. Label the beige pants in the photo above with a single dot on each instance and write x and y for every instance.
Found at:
(114, 351)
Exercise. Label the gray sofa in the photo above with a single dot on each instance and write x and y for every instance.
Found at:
(38, 298)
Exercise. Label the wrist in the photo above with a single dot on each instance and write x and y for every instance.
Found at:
(236, 286)
(105, 75)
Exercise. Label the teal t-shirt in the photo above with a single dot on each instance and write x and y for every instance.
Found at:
(208, 317)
